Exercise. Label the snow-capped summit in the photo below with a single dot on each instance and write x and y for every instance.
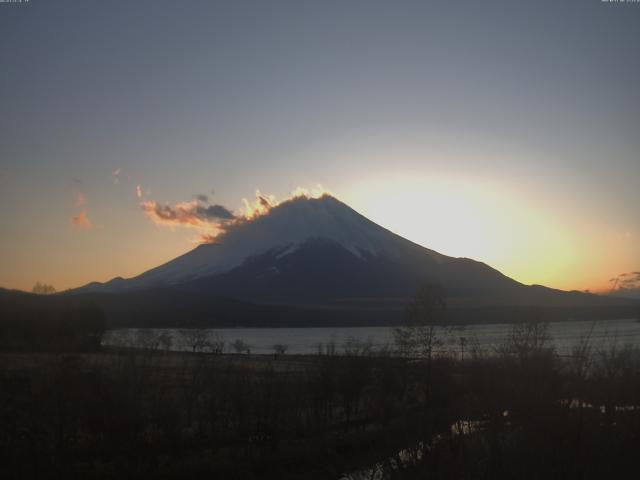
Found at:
(318, 242)
(284, 228)
(310, 260)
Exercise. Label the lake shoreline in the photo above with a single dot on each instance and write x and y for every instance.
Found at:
(310, 340)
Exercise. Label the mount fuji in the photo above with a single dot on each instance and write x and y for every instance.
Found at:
(313, 255)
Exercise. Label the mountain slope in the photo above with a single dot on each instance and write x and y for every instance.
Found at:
(321, 271)
(285, 228)
(320, 244)
(317, 261)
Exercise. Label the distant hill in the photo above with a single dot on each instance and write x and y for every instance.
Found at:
(630, 293)
(30, 322)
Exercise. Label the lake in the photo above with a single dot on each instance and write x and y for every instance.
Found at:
(564, 336)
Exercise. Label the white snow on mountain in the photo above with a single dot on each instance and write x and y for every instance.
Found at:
(284, 227)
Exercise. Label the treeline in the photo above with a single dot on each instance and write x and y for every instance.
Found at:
(520, 413)
(525, 413)
(176, 308)
(46, 323)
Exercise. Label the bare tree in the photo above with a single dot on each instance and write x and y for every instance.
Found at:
(528, 338)
(354, 347)
(196, 338)
(216, 345)
(280, 348)
(43, 289)
(327, 349)
(424, 314)
(240, 346)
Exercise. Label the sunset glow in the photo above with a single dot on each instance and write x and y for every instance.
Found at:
(285, 239)
(463, 218)
(452, 135)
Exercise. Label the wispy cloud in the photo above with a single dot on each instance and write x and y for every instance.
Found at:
(187, 214)
(625, 281)
(138, 191)
(215, 212)
(81, 221)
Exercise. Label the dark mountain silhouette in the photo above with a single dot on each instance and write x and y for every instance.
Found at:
(316, 261)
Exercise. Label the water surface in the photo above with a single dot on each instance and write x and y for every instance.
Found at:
(564, 336)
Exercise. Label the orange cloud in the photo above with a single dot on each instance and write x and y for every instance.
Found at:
(207, 238)
(81, 220)
(181, 214)
(207, 219)
(263, 203)
(212, 220)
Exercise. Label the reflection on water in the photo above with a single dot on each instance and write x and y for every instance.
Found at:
(380, 470)
(412, 455)
(564, 336)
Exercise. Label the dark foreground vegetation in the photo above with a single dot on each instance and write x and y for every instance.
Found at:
(70, 409)
(520, 412)
(36, 323)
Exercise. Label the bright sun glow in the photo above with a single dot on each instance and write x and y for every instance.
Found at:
(476, 220)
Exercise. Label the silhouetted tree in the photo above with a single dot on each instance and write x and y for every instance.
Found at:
(43, 289)
(280, 348)
(424, 314)
(196, 338)
(240, 346)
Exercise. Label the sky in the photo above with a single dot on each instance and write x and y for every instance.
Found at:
(507, 132)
